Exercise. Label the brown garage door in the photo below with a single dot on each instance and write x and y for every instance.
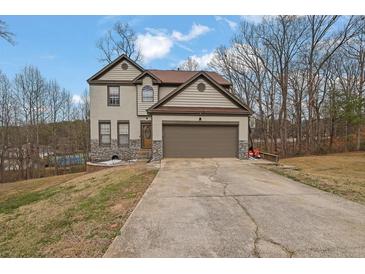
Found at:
(200, 140)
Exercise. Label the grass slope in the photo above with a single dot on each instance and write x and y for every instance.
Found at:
(342, 173)
(75, 215)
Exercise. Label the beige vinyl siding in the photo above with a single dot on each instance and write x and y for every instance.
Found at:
(117, 73)
(191, 97)
(143, 106)
(165, 91)
(125, 112)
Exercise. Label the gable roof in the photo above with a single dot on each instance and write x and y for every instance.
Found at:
(181, 76)
(138, 79)
(158, 107)
(173, 77)
(112, 64)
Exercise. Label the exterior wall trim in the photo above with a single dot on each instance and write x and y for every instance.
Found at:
(111, 82)
(199, 114)
(200, 123)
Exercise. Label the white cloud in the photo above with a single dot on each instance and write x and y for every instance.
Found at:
(202, 60)
(157, 43)
(233, 25)
(158, 31)
(154, 46)
(184, 47)
(196, 30)
(76, 99)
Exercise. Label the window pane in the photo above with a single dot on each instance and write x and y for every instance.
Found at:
(123, 128)
(105, 139)
(104, 128)
(147, 94)
(114, 96)
(114, 90)
(123, 139)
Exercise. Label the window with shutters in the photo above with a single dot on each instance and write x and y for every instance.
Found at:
(113, 96)
(104, 133)
(123, 133)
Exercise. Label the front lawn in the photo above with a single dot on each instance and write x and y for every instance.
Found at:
(342, 173)
(75, 215)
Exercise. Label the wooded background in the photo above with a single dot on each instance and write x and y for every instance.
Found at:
(304, 78)
(42, 131)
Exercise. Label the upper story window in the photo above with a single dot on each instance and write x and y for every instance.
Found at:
(147, 94)
(113, 96)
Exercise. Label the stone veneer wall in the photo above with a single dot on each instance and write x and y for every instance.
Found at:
(156, 150)
(103, 153)
(242, 149)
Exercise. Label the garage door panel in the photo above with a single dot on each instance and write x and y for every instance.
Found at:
(200, 141)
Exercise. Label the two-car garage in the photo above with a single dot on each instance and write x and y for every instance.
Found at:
(199, 119)
(200, 140)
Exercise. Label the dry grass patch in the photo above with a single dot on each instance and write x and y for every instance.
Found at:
(342, 173)
(76, 216)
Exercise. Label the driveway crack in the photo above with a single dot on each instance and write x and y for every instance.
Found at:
(213, 178)
(255, 251)
(258, 238)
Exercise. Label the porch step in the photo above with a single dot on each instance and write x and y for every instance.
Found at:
(144, 154)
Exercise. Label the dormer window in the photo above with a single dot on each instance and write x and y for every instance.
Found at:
(147, 94)
(113, 96)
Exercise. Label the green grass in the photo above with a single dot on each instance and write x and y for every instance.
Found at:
(342, 174)
(76, 217)
(15, 202)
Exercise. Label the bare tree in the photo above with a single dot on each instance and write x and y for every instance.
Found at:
(6, 111)
(30, 92)
(121, 39)
(56, 101)
(275, 43)
(355, 50)
(6, 34)
(304, 78)
(189, 64)
(323, 41)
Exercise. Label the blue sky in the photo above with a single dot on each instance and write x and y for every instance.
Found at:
(63, 47)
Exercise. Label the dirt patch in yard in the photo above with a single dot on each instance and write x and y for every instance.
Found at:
(342, 174)
(70, 215)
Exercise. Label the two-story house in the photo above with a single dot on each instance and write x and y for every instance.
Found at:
(164, 113)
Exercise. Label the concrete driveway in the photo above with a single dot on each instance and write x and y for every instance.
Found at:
(232, 208)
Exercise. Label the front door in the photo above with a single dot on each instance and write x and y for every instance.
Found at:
(146, 131)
